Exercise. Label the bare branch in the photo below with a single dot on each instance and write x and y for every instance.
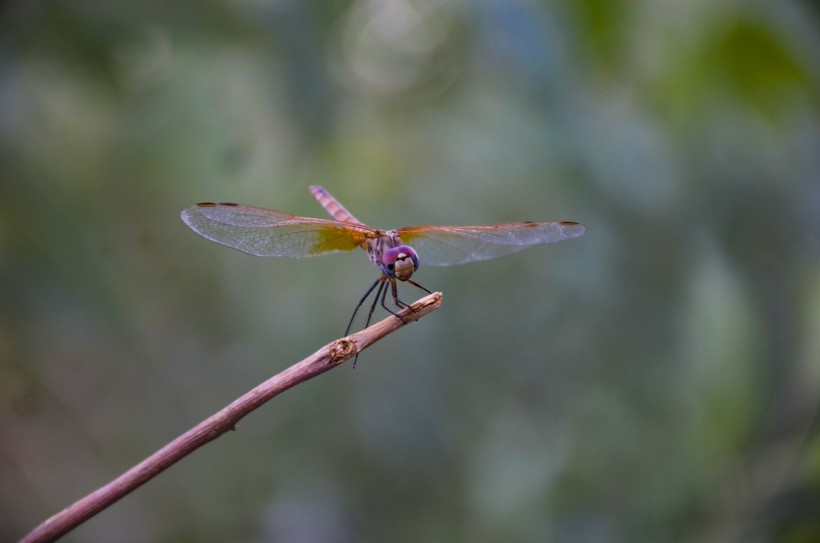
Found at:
(328, 357)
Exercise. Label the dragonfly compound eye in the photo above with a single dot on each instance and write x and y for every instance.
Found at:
(400, 262)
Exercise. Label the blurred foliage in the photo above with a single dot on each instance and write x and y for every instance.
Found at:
(656, 380)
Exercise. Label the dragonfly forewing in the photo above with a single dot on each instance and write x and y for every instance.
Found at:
(452, 245)
(263, 232)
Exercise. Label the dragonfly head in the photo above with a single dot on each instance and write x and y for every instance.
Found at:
(400, 262)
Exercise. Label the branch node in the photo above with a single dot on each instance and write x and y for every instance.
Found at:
(341, 350)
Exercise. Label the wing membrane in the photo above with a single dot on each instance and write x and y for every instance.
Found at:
(262, 232)
(451, 245)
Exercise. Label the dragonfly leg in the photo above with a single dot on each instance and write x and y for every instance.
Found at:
(382, 285)
(381, 295)
(399, 303)
(384, 305)
(417, 286)
(375, 300)
(366, 294)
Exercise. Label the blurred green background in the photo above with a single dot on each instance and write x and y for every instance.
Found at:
(655, 380)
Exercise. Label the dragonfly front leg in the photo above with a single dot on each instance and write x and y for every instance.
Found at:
(399, 303)
(395, 298)
(417, 286)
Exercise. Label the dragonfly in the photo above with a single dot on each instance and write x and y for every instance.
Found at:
(396, 253)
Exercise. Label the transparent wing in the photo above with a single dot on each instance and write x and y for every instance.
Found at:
(262, 232)
(451, 245)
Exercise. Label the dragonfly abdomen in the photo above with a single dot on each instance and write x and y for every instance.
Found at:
(332, 205)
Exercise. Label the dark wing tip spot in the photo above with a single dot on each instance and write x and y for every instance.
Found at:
(569, 223)
(212, 204)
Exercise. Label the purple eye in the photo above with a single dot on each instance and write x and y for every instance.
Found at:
(400, 262)
(399, 253)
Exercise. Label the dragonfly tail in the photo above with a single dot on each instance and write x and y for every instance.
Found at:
(332, 205)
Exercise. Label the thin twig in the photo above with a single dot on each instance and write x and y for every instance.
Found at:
(328, 357)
